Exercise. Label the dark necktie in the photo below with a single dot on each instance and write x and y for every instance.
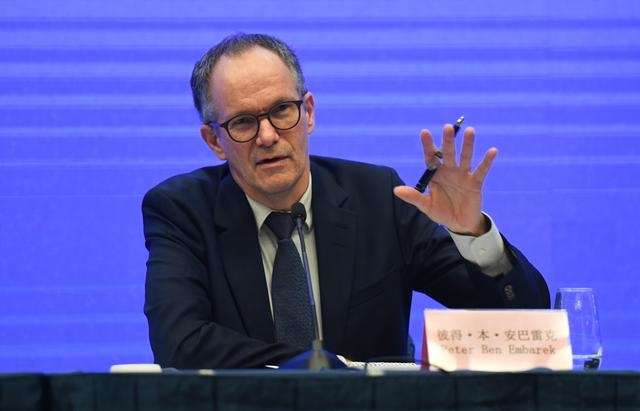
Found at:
(292, 314)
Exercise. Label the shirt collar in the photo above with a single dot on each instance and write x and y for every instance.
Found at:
(261, 211)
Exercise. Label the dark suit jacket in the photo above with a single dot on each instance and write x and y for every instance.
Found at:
(206, 296)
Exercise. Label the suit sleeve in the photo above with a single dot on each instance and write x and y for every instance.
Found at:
(178, 302)
(437, 269)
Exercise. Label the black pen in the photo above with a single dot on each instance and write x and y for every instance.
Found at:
(432, 167)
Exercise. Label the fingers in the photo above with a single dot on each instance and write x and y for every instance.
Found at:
(448, 146)
(484, 166)
(467, 149)
(428, 146)
(449, 151)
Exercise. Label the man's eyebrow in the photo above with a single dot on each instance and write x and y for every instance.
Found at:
(272, 105)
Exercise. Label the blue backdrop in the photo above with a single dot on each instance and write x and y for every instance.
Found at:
(95, 109)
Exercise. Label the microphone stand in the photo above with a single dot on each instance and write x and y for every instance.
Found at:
(318, 360)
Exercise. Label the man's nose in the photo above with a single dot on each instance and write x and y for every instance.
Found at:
(267, 134)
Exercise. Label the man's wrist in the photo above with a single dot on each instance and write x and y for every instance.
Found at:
(486, 251)
(483, 227)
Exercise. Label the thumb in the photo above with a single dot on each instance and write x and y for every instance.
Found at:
(414, 197)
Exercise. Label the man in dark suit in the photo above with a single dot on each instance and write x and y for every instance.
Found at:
(210, 299)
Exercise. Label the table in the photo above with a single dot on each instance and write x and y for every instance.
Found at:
(331, 390)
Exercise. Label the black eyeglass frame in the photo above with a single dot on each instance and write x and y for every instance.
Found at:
(258, 117)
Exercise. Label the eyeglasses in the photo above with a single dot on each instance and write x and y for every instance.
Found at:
(245, 127)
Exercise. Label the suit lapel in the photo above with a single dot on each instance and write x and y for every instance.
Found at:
(335, 233)
(240, 251)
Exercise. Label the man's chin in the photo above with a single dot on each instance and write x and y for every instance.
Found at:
(278, 188)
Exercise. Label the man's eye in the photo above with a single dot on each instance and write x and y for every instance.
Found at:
(281, 109)
(242, 121)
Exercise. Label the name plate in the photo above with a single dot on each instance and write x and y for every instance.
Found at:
(496, 340)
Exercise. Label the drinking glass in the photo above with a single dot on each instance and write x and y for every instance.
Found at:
(584, 327)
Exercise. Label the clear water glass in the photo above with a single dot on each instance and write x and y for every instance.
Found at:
(584, 327)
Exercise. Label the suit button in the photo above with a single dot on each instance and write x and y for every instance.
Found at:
(509, 293)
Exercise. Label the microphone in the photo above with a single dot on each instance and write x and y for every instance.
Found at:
(318, 359)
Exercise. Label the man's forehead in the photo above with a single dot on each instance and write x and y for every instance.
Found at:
(253, 73)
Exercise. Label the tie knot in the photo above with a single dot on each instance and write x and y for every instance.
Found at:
(281, 224)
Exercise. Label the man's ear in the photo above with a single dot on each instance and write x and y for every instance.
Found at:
(212, 140)
(309, 105)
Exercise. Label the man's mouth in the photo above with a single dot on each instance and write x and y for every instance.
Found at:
(270, 160)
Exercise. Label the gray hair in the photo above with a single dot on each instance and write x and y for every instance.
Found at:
(231, 46)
